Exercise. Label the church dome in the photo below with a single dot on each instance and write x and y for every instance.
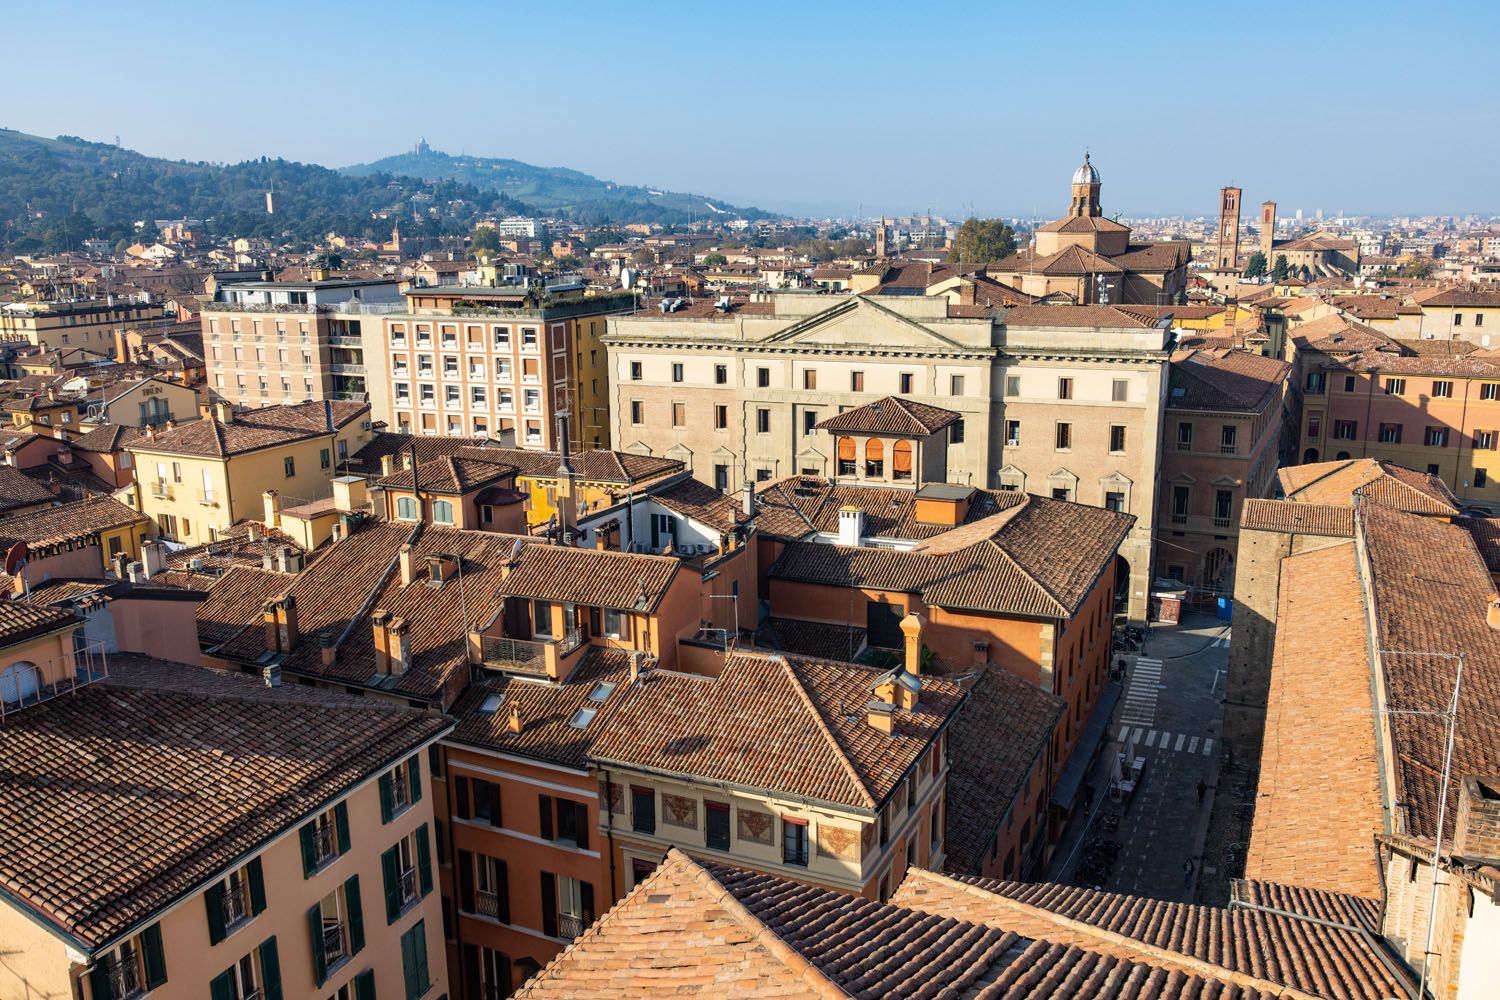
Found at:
(1086, 174)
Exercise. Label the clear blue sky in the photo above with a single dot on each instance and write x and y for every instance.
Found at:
(892, 107)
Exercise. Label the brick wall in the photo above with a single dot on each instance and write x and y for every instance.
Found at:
(1477, 828)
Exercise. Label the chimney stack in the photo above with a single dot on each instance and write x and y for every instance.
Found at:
(911, 628)
(1492, 613)
(379, 620)
(514, 722)
(1476, 830)
(747, 499)
(408, 570)
(400, 646)
(252, 531)
(271, 500)
(387, 464)
(851, 526)
(223, 412)
(327, 651)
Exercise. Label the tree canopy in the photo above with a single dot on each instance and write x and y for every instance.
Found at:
(1256, 265)
(982, 241)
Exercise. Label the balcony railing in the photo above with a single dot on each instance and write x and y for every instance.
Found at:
(514, 654)
(333, 942)
(486, 904)
(1221, 522)
(235, 909)
(125, 979)
(1179, 519)
(408, 885)
(569, 926)
(161, 490)
(325, 843)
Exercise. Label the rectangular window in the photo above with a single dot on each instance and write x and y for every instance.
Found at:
(956, 432)
(1180, 500)
(1395, 386)
(1185, 436)
(289, 466)
(1484, 440)
(1013, 432)
(1012, 385)
(762, 421)
(1349, 383)
(1314, 423)
(716, 825)
(1064, 438)
(133, 967)
(1390, 433)
(1489, 390)
(1064, 388)
(1119, 390)
(721, 374)
(1315, 383)
(809, 378)
(400, 789)
(642, 809)
(635, 371)
(676, 371)
(955, 385)
(1481, 477)
(1114, 502)
(809, 421)
(1116, 437)
(721, 478)
(1458, 320)
(1227, 438)
(1346, 430)
(564, 821)
(234, 899)
(794, 842)
(1436, 437)
(407, 871)
(616, 624)
(721, 416)
(679, 414)
(336, 925)
(905, 383)
(1442, 389)
(325, 459)
(1223, 503)
(763, 378)
(636, 412)
(856, 381)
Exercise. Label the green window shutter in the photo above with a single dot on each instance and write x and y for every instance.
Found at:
(364, 985)
(99, 980)
(419, 949)
(386, 806)
(414, 769)
(257, 886)
(461, 797)
(270, 969)
(341, 823)
(222, 986)
(154, 960)
(389, 869)
(315, 932)
(213, 902)
(466, 881)
(356, 915)
(309, 849)
(545, 801)
(424, 861)
(408, 964)
(549, 904)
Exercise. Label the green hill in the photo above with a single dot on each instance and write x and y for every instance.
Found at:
(56, 192)
(557, 190)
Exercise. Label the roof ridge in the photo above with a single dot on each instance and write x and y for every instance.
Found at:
(849, 769)
(1146, 951)
(1014, 561)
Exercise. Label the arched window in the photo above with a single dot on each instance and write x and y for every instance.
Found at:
(874, 458)
(901, 460)
(406, 508)
(1341, 456)
(18, 682)
(846, 456)
(1310, 455)
(442, 512)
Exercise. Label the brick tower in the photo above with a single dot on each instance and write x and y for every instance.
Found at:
(1267, 229)
(1229, 229)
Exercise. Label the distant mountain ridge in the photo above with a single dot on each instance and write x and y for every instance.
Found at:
(560, 191)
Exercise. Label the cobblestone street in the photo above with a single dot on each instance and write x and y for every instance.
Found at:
(1169, 718)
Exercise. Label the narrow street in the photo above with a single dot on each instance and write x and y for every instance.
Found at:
(1169, 719)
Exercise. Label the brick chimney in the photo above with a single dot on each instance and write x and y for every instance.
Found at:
(279, 616)
(327, 651)
(514, 722)
(399, 646)
(271, 500)
(1492, 612)
(408, 565)
(911, 628)
(379, 620)
(1476, 830)
(387, 464)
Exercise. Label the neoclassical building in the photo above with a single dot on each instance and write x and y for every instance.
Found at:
(1086, 257)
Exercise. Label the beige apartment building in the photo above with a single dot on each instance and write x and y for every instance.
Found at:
(89, 323)
(1062, 401)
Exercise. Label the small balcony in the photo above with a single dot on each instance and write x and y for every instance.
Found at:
(532, 656)
(161, 490)
(210, 498)
(25, 684)
(569, 926)
(486, 904)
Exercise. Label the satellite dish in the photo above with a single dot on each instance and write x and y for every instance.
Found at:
(16, 558)
(627, 278)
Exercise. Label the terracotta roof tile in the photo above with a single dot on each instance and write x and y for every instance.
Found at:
(68, 522)
(1225, 380)
(1359, 912)
(1292, 518)
(251, 430)
(19, 622)
(891, 415)
(1383, 482)
(19, 490)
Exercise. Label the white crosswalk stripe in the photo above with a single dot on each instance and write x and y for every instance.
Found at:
(1193, 746)
(1208, 745)
(1159, 739)
(1151, 738)
(1180, 738)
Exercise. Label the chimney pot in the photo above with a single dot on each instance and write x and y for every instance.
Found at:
(881, 716)
(408, 571)
(514, 722)
(1492, 613)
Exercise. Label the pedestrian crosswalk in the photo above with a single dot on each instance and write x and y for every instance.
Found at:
(1154, 739)
(1142, 687)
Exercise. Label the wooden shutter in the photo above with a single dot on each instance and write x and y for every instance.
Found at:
(549, 904)
(471, 972)
(466, 881)
(581, 824)
(308, 836)
(414, 774)
(364, 985)
(257, 886)
(386, 806)
(392, 874)
(103, 989)
(315, 936)
(154, 961)
(545, 802)
(461, 797)
(270, 969)
(213, 901)
(502, 891)
(341, 826)
(424, 861)
(423, 977)
(221, 987)
(409, 965)
(492, 796)
(356, 915)
(586, 897)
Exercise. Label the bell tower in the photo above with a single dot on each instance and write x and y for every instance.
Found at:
(1229, 229)
(1267, 229)
(1085, 192)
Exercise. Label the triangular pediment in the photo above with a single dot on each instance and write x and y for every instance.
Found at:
(858, 321)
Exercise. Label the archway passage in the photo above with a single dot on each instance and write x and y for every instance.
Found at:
(18, 683)
(1218, 571)
(1122, 582)
(1309, 456)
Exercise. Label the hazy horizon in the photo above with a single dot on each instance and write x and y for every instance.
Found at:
(808, 110)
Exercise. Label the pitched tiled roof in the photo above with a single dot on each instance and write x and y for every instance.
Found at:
(1088, 316)
(67, 522)
(1339, 908)
(792, 508)
(1341, 335)
(891, 415)
(131, 797)
(1225, 380)
(702, 503)
(1254, 949)
(1038, 560)
(19, 622)
(818, 639)
(251, 430)
(1486, 534)
(1000, 732)
(716, 931)
(1292, 518)
(547, 708)
(1477, 364)
(107, 438)
(1318, 799)
(602, 579)
(222, 615)
(790, 724)
(1383, 482)
(1484, 298)
(452, 474)
(19, 490)
(366, 461)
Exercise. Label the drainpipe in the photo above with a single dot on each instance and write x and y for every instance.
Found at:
(609, 831)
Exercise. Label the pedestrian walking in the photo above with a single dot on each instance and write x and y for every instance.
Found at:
(1187, 873)
(1202, 790)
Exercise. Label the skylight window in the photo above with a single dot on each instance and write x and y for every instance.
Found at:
(602, 691)
(583, 717)
(491, 704)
